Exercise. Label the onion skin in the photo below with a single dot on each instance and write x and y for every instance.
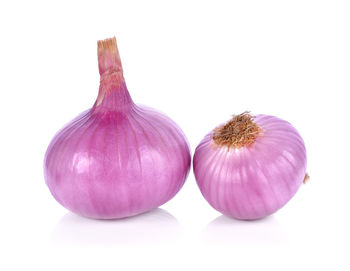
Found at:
(117, 159)
(254, 181)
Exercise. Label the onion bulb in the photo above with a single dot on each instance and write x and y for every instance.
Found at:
(251, 166)
(117, 159)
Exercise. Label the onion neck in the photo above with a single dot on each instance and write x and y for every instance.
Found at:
(113, 94)
(240, 131)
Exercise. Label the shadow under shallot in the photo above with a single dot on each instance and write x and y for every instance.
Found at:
(156, 227)
(228, 231)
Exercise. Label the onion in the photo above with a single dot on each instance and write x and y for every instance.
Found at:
(251, 166)
(116, 159)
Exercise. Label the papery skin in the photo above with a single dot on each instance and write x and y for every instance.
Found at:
(117, 159)
(255, 181)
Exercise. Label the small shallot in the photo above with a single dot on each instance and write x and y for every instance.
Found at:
(251, 166)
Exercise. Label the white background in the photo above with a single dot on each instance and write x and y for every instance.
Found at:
(199, 62)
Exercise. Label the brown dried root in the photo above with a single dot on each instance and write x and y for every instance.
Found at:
(240, 131)
(306, 178)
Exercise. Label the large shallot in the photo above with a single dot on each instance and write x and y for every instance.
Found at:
(116, 159)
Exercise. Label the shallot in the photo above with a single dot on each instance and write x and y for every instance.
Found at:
(116, 159)
(251, 166)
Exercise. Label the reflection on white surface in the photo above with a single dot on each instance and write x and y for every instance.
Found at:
(152, 228)
(228, 231)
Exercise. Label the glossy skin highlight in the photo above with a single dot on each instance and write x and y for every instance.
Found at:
(255, 181)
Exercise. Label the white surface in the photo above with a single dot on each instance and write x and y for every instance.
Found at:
(199, 62)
